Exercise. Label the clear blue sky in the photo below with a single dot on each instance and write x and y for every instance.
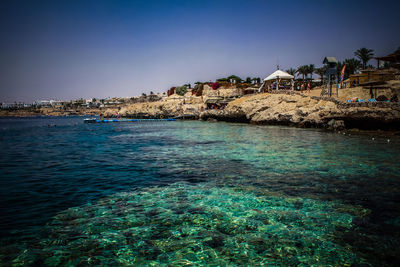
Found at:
(73, 49)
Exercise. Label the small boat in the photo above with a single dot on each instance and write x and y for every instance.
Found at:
(89, 120)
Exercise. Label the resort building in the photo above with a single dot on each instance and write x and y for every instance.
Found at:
(42, 103)
(14, 105)
(371, 75)
(393, 60)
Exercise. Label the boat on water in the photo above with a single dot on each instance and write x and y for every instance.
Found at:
(94, 120)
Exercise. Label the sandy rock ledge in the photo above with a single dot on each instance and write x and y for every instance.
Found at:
(305, 111)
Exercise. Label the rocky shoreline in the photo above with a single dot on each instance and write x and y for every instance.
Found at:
(54, 112)
(280, 108)
(295, 109)
(276, 108)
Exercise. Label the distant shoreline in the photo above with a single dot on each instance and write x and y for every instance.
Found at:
(280, 108)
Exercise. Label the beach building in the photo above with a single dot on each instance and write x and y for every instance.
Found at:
(371, 75)
(42, 103)
(56, 103)
(89, 101)
(330, 62)
(279, 80)
(111, 102)
(14, 105)
(374, 80)
(331, 69)
(393, 59)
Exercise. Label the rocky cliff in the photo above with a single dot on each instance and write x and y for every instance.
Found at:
(170, 108)
(305, 111)
(283, 108)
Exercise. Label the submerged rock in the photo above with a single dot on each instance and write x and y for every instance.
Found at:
(336, 124)
(218, 225)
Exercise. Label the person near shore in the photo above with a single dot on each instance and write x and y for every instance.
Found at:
(101, 117)
(308, 87)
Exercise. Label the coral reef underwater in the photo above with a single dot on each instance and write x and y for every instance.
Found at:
(186, 224)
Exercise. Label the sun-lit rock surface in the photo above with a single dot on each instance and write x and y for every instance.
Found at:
(301, 110)
(277, 108)
(170, 108)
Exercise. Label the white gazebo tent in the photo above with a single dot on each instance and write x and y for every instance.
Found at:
(278, 76)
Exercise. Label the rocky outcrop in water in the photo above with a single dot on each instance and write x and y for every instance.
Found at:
(304, 111)
(170, 108)
(281, 108)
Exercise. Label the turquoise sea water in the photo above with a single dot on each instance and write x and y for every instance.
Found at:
(195, 193)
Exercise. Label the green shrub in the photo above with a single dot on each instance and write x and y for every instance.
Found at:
(181, 90)
(198, 90)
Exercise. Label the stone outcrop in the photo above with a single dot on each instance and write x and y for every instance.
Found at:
(49, 111)
(279, 108)
(173, 107)
(304, 111)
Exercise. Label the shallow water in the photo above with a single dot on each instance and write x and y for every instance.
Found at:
(192, 192)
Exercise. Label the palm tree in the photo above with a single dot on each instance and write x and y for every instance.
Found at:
(364, 55)
(321, 72)
(291, 71)
(352, 65)
(302, 70)
(311, 69)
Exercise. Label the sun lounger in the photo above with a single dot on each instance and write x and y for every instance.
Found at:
(372, 100)
(361, 100)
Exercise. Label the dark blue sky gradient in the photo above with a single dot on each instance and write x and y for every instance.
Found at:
(72, 49)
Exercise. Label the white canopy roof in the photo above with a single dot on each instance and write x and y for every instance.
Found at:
(279, 74)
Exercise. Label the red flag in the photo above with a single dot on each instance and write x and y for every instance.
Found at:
(342, 73)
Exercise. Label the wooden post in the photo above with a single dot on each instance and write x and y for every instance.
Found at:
(337, 86)
(330, 86)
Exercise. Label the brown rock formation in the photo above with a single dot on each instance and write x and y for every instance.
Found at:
(304, 111)
(170, 108)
